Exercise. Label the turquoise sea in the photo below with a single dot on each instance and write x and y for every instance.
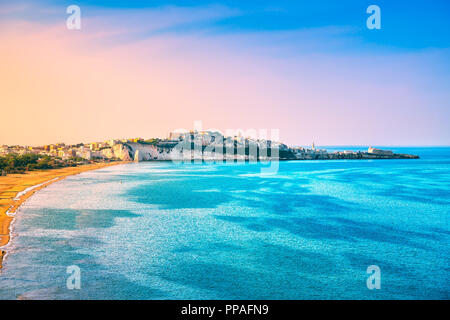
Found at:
(162, 230)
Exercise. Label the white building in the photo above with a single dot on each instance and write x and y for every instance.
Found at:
(380, 152)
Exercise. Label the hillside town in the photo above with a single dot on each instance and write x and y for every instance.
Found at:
(187, 145)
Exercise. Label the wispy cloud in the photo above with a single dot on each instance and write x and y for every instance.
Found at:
(143, 72)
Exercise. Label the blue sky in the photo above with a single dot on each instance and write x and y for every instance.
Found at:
(405, 24)
(275, 63)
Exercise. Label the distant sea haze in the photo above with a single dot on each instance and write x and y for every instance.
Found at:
(163, 230)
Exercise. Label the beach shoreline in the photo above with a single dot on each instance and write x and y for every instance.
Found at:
(15, 189)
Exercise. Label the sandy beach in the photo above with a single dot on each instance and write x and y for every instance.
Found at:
(17, 188)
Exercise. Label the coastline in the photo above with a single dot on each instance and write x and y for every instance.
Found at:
(15, 189)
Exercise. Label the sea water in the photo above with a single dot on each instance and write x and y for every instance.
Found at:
(163, 230)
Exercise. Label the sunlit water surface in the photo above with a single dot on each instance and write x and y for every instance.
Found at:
(160, 230)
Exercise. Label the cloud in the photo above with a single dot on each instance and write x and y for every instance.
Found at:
(130, 73)
(10, 8)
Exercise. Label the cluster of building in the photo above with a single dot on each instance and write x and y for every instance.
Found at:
(89, 151)
(204, 145)
(153, 149)
(209, 137)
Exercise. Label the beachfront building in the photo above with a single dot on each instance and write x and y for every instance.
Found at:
(84, 153)
(113, 142)
(94, 146)
(209, 137)
(178, 135)
(4, 150)
(66, 153)
(380, 152)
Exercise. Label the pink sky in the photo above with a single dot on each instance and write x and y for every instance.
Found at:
(96, 84)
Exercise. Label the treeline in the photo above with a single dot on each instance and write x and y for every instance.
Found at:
(14, 163)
